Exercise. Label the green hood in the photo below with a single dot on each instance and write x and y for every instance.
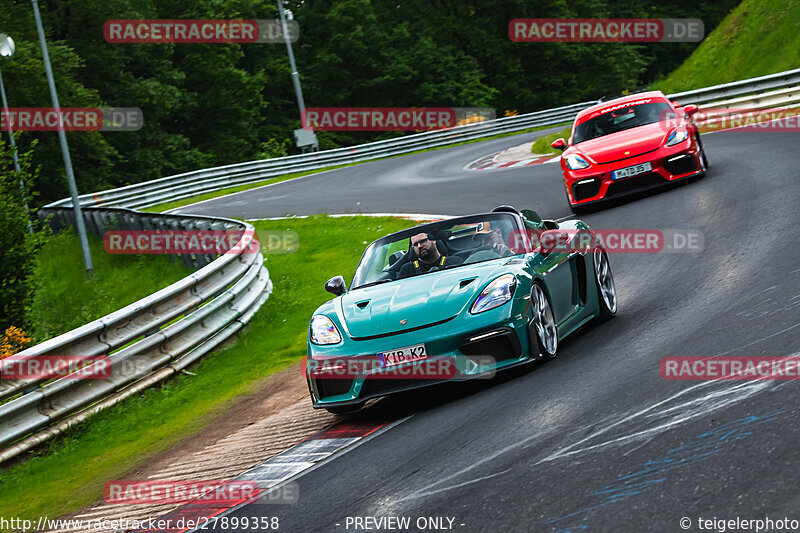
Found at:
(420, 300)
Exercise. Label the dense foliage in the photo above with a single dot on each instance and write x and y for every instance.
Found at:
(211, 104)
(17, 245)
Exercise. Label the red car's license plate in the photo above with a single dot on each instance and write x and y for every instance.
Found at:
(631, 171)
(403, 355)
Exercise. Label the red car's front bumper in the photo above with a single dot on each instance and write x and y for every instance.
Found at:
(670, 163)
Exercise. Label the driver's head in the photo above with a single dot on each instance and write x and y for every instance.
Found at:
(488, 235)
(496, 237)
(425, 247)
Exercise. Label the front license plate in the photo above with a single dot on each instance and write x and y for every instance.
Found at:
(631, 171)
(403, 355)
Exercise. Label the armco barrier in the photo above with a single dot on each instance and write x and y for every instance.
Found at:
(154, 337)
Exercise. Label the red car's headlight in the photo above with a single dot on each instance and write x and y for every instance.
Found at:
(678, 135)
(575, 162)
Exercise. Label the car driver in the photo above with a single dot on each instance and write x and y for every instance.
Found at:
(428, 257)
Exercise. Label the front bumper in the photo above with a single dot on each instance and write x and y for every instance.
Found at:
(463, 344)
(670, 164)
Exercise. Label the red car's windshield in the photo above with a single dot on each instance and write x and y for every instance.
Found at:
(622, 119)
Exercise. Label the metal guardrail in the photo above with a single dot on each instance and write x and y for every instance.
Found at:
(157, 336)
(782, 98)
(201, 181)
(789, 78)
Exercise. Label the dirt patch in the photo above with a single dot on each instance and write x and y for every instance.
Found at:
(273, 393)
(250, 431)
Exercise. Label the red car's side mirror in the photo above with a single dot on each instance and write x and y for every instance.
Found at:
(690, 110)
(559, 144)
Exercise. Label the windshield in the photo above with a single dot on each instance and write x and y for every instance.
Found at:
(441, 245)
(622, 119)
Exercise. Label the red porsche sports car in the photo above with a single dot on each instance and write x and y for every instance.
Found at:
(627, 145)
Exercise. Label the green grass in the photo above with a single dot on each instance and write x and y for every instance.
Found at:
(71, 472)
(64, 299)
(542, 144)
(758, 37)
(166, 206)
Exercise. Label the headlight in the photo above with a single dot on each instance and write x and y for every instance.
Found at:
(495, 294)
(323, 331)
(678, 135)
(576, 162)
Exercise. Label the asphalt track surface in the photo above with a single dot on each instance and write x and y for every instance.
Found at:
(594, 440)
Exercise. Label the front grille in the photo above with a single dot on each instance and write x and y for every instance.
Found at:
(504, 345)
(681, 165)
(582, 191)
(635, 183)
(332, 387)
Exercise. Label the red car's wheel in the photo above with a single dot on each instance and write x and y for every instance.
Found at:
(703, 158)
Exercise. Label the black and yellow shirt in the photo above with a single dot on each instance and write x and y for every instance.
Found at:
(414, 268)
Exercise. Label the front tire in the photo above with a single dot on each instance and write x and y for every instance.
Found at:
(544, 332)
(703, 158)
(604, 283)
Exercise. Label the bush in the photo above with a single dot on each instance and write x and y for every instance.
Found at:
(18, 245)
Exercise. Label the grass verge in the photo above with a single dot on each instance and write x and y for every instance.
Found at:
(64, 299)
(70, 473)
(542, 144)
(758, 37)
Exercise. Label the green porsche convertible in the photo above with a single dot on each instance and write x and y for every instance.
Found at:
(455, 299)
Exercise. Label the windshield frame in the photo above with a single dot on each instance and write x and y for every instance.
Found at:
(518, 225)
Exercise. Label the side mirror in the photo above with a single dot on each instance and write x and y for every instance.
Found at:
(690, 110)
(336, 286)
(559, 144)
